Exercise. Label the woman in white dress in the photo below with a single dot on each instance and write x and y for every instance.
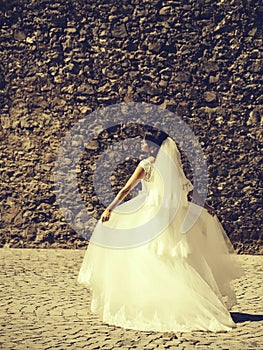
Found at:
(145, 270)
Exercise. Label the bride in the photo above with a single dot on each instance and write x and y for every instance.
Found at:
(145, 271)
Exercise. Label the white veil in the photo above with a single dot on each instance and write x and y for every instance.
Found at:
(175, 185)
(171, 187)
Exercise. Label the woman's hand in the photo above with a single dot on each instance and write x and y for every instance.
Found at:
(106, 215)
(210, 210)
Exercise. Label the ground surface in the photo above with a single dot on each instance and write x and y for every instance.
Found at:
(43, 307)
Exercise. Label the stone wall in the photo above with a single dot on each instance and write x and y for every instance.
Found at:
(61, 60)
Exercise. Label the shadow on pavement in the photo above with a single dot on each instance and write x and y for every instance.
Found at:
(239, 317)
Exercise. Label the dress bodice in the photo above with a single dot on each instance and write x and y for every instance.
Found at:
(147, 182)
(148, 165)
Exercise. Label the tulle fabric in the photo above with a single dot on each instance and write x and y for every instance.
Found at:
(171, 281)
(148, 288)
(159, 288)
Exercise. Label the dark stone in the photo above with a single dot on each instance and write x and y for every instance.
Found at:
(119, 31)
(2, 81)
(170, 48)
(210, 96)
(59, 21)
(150, 89)
(155, 47)
(183, 77)
(19, 35)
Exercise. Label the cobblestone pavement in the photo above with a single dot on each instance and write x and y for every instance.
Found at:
(43, 307)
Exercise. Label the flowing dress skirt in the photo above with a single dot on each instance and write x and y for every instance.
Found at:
(172, 282)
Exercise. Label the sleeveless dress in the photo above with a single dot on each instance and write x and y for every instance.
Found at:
(165, 284)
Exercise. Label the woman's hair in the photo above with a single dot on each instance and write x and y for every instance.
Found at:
(156, 137)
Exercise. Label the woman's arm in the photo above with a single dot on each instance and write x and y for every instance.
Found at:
(130, 184)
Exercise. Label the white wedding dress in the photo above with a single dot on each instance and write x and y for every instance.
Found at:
(170, 281)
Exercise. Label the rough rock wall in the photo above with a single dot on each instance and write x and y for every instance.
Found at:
(63, 59)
